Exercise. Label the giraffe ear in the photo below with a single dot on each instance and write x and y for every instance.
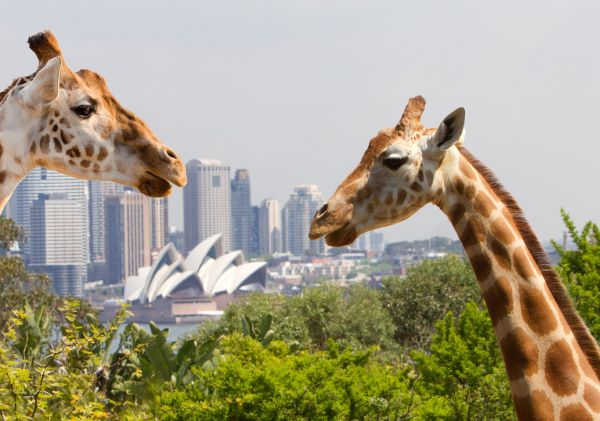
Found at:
(43, 89)
(449, 133)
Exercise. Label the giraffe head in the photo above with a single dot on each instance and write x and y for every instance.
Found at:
(399, 173)
(76, 126)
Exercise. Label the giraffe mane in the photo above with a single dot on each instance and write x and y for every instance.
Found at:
(582, 334)
(18, 81)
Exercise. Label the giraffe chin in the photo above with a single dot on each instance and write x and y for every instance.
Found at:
(154, 186)
(342, 237)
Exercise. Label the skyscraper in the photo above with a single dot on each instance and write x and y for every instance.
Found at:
(297, 216)
(41, 180)
(207, 202)
(57, 241)
(269, 227)
(134, 227)
(98, 191)
(241, 213)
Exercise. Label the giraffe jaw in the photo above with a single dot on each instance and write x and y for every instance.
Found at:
(153, 185)
(337, 238)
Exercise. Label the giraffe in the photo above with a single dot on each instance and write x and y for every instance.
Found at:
(70, 122)
(552, 361)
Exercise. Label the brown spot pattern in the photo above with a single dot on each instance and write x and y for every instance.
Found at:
(501, 253)
(575, 412)
(1, 150)
(592, 397)
(55, 128)
(389, 199)
(499, 299)
(536, 310)
(456, 213)
(400, 196)
(65, 137)
(103, 153)
(57, 145)
(85, 163)
(32, 148)
(534, 407)
(74, 152)
(89, 149)
(474, 233)
(470, 192)
(370, 208)
(45, 144)
(416, 187)
(520, 354)
(502, 232)
(2, 176)
(459, 186)
(522, 263)
(421, 177)
(483, 204)
(482, 266)
(96, 168)
(72, 162)
(560, 369)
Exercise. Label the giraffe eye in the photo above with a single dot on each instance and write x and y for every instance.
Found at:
(393, 162)
(84, 110)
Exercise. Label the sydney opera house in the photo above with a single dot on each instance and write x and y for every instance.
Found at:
(198, 286)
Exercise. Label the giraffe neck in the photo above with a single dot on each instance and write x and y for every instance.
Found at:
(550, 375)
(16, 132)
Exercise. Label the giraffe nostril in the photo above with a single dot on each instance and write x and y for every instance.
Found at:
(171, 154)
(322, 210)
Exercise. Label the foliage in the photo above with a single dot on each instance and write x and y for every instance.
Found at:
(463, 376)
(252, 382)
(580, 271)
(439, 244)
(429, 291)
(18, 286)
(145, 364)
(352, 316)
(48, 374)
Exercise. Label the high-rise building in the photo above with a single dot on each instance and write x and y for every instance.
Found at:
(254, 246)
(134, 227)
(98, 191)
(207, 202)
(269, 227)
(241, 213)
(371, 242)
(296, 218)
(43, 181)
(57, 241)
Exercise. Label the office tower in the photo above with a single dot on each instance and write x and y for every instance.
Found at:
(129, 234)
(297, 216)
(254, 245)
(241, 213)
(98, 191)
(57, 241)
(159, 208)
(207, 202)
(371, 242)
(41, 180)
(269, 227)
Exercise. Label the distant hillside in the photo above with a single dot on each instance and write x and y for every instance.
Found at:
(434, 244)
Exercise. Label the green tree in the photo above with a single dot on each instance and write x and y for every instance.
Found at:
(580, 271)
(18, 286)
(429, 291)
(253, 382)
(462, 377)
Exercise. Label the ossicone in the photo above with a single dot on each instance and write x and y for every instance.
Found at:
(411, 118)
(45, 46)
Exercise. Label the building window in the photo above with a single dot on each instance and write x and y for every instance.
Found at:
(216, 181)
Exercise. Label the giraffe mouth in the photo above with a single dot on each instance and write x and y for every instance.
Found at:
(342, 237)
(153, 185)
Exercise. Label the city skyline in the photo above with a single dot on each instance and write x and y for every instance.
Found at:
(293, 92)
